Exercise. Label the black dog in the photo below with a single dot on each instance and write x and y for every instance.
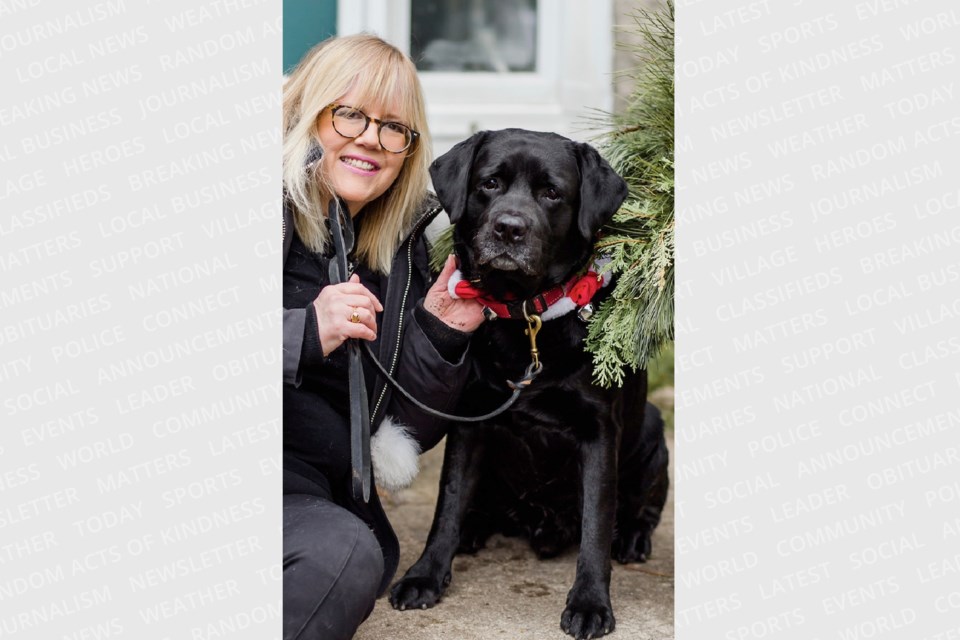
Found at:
(526, 208)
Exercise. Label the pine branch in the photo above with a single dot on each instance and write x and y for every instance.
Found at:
(637, 319)
(441, 248)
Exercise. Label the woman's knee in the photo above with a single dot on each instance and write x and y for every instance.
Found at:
(332, 570)
(324, 538)
(363, 570)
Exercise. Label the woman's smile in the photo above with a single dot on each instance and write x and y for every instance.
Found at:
(361, 165)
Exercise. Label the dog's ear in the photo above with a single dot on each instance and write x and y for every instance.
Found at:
(451, 175)
(602, 191)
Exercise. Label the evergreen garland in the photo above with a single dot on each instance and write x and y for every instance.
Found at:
(629, 328)
(637, 319)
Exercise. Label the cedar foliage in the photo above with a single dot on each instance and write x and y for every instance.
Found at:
(637, 319)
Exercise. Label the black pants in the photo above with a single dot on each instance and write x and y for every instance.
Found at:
(332, 567)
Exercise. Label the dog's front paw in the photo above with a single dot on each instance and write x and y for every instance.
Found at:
(632, 546)
(417, 593)
(587, 617)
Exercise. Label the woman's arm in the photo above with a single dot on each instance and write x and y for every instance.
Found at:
(434, 358)
(311, 334)
(431, 378)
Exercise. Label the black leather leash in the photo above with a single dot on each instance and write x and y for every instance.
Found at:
(341, 230)
(532, 371)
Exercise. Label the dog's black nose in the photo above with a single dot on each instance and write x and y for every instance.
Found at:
(510, 228)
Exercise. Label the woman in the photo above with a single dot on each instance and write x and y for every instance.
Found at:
(355, 132)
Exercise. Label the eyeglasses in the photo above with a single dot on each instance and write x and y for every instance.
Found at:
(351, 123)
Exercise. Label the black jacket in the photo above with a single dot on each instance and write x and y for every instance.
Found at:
(406, 346)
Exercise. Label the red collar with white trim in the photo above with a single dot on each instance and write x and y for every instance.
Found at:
(552, 303)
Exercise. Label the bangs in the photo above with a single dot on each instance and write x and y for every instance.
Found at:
(393, 88)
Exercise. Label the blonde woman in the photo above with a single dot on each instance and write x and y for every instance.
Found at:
(355, 131)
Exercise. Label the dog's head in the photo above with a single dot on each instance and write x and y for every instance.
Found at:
(525, 207)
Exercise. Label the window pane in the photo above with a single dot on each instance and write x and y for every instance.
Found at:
(474, 35)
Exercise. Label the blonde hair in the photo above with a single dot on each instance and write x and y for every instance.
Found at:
(382, 74)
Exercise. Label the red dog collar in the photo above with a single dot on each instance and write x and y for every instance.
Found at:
(553, 303)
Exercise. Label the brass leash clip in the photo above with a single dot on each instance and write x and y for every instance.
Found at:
(533, 327)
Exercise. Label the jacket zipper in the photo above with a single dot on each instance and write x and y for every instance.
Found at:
(403, 302)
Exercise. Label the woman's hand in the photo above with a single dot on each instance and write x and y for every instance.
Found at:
(346, 310)
(464, 315)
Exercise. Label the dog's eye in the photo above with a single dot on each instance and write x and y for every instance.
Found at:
(551, 194)
(490, 184)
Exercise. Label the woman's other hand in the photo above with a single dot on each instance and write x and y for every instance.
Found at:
(464, 315)
(346, 310)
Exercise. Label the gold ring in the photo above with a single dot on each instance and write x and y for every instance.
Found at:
(355, 316)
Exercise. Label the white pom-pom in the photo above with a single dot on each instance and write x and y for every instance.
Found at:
(395, 455)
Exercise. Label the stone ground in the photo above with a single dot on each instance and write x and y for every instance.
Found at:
(505, 592)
